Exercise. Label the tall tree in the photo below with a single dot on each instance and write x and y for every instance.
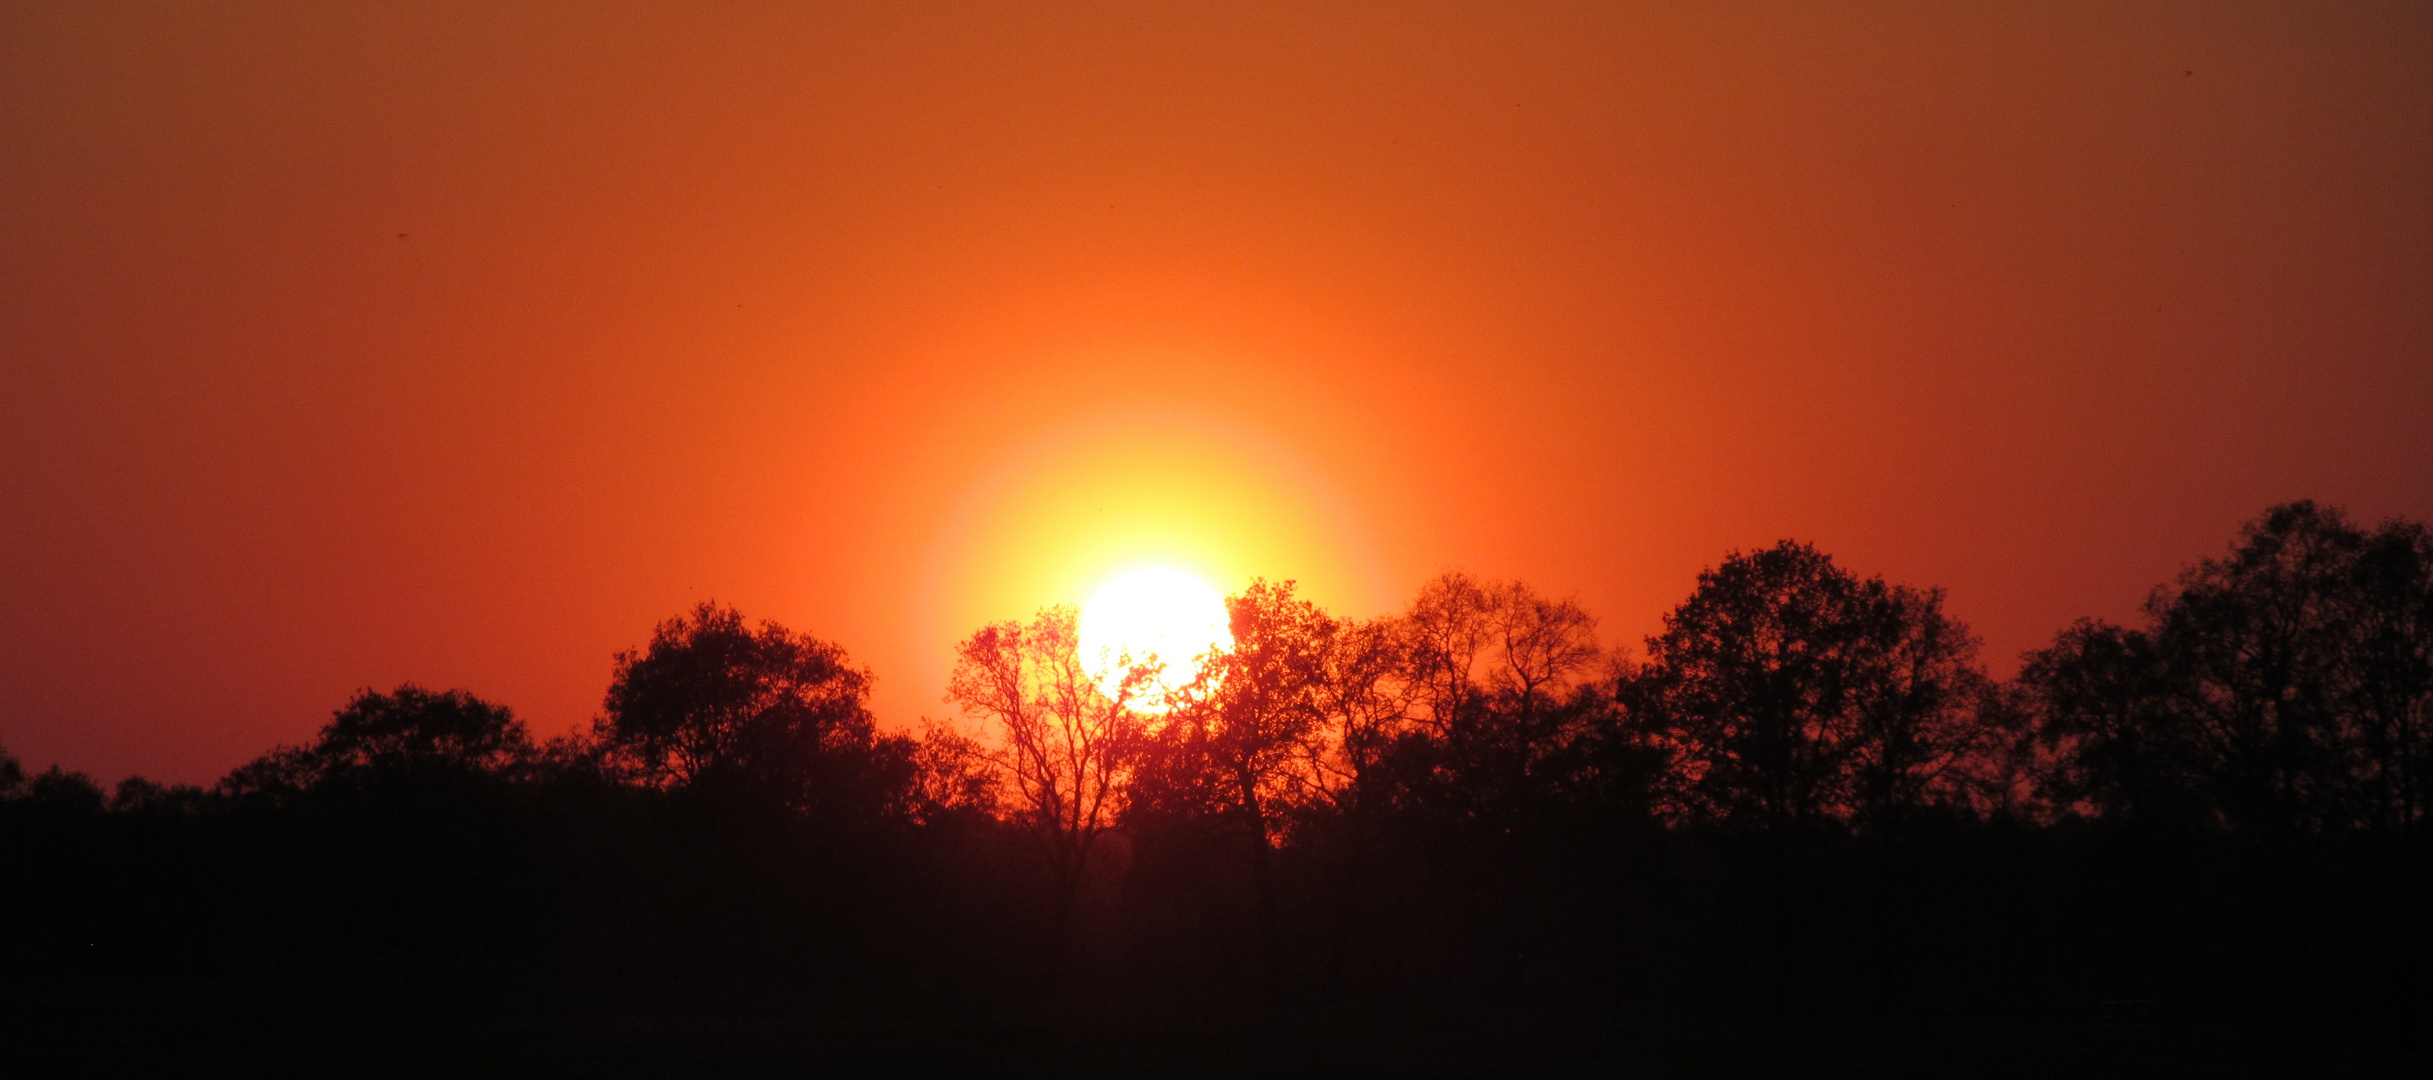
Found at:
(1917, 691)
(2390, 666)
(2283, 688)
(1061, 749)
(715, 703)
(1450, 629)
(1494, 674)
(2106, 720)
(1788, 691)
(1239, 743)
(2256, 644)
(1365, 693)
(1253, 715)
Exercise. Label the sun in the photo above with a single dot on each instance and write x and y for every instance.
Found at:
(1153, 615)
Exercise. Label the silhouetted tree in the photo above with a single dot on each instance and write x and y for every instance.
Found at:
(714, 703)
(1060, 750)
(2106, 718)
(1365, 692)
(1918, 694)
(1788, 691)
(407, 731)
(136, 795)
(956, 772)
(412, 727)
(1238, 740)
(2284, 688)
(1494, 676)
(1239, 744)
(392, 820)
(2391, 672)
(1449, 629)
(1522, 756)
(1460, 806)
(2256, 645)
(59, 791)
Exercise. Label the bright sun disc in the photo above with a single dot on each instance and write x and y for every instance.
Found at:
(1152, 615)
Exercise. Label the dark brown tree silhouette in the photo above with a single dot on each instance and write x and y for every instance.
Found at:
(1060, 751)
(1365, 693)
(2284, 688)
(1787, 691)
(1449, 630)
(2105, 719)
(12, 773)
(1239, 742)
(1492, 674)
(407, 730)
(1918, 699)
(712, 702)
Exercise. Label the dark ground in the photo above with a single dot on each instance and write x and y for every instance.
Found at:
(135, 1030)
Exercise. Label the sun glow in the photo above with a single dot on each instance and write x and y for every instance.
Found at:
(1154, 615)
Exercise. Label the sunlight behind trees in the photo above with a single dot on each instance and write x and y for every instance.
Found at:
(1159, 618)
(1805, 788)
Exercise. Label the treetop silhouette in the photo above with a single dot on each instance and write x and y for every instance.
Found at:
(1805, 791)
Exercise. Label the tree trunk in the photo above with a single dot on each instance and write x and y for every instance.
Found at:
(1263, 877)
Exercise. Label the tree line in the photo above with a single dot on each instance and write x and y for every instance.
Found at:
(1805, 792)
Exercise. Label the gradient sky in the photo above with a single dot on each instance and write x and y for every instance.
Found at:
(462, 344)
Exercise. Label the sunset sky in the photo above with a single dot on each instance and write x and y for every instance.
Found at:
(461, 344)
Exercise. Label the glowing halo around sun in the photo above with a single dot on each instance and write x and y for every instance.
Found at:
(1153, 614)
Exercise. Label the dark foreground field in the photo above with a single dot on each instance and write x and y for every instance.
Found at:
(341, 1030)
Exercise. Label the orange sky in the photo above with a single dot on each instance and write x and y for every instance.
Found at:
(339, 348)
